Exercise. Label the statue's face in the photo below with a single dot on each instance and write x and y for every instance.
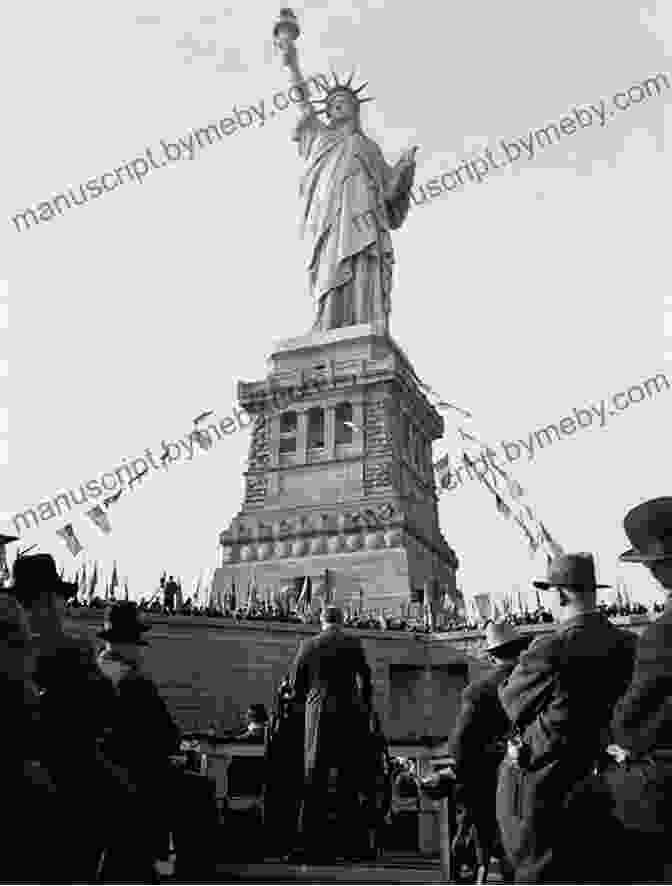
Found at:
(341, 107)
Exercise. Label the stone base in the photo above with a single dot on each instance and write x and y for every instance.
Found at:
(362, 503)
(378, 578)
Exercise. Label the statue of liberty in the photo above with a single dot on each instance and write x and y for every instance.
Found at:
(351, 200)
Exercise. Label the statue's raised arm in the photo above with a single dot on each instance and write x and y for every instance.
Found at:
(352, 198)
(285, 33)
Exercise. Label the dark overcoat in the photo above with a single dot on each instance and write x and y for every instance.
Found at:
(326, 675)
(332, 678)
(560, 696)
(640, 792)
(477, 746)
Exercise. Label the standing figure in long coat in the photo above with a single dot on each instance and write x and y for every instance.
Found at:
(333, 680)
(351, 200)
(560, 699)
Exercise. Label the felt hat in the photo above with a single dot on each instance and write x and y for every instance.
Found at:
(123, 625)
(332, 615)
(500, 636)
(37, 574)
(649, 530)
(571, 571)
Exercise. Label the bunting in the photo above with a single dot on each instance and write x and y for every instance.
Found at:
(94, 579)
(100, 519)
(67, 534)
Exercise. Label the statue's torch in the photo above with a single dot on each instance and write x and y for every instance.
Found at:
(286, 29)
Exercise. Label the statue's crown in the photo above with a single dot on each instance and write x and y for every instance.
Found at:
(322, 104)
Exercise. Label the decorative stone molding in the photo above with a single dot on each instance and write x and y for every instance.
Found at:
(247, 553)
(228, 554)
(353, 542)
(373, 540)
(318, 545)
(335, 544)
(281, 548)
(393, 536)
(299, 547)
(264, 550)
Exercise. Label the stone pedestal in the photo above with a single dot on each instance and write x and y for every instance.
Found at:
(339, 486)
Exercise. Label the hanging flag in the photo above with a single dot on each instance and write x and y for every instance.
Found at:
(522, 608)
(553, 548)
(107, 502)
(502, 506)
(483, 605)
(114, 581)
(531, 540)
(443, 404)
(251, 592)
(202, 438)
(67, 533)
(94, 579)
(100, 519)
(304, 601)
(83, 586)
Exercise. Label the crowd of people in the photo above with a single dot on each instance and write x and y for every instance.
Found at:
(369, 620)
(562, 751)
(90, 746)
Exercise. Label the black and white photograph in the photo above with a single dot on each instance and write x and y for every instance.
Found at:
(292, 587)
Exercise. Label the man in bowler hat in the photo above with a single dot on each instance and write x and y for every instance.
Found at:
(141, 739)
(74, 702)
(638, 792)
(559, 698)
(478, 742)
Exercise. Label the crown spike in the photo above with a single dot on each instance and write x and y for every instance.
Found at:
(351, 78)
(359, 88)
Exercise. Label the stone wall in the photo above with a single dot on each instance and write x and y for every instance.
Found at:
(210, 670)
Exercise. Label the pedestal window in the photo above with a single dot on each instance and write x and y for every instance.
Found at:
(344, 431)
(288, 431)
(315, 428)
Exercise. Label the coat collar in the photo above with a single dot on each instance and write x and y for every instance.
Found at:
(582, 618)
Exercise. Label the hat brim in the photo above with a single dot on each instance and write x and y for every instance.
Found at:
(545, 586)
(114, 637)
(635, 556)
(523, 640)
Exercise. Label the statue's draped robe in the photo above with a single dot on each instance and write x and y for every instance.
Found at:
(348, 212)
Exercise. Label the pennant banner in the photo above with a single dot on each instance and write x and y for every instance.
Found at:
(67, 533)
(100, 519)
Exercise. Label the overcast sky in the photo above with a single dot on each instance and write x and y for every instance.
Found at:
(536, 292)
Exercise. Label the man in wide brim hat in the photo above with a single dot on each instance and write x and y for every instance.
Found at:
(559, 699)
(571, 571)
(503, 641)
(123, 625)
(35, 575)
